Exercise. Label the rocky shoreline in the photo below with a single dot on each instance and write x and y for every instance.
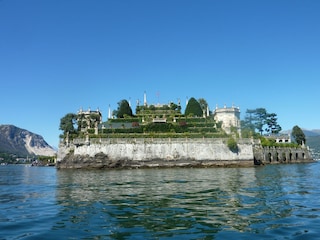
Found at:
(101, 161)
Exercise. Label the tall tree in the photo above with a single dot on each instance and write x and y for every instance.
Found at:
(123, 109)
(259, 119)
(203, 103)
(273, 126)
(175, 107)
(298, 135)
(68, 122)
(193, 107)
(248, 123)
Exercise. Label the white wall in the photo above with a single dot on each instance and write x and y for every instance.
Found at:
(196, 149)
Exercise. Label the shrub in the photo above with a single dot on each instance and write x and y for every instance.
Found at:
(232, 145)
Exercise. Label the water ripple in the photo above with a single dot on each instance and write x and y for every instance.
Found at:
(271, 202)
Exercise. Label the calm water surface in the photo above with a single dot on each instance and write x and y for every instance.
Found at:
(270, 202)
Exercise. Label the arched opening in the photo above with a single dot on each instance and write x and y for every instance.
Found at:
(290, 156)
(277, 156)
(269, 157)
(284, 157)
(256, 161)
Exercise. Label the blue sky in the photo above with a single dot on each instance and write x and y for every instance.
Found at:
(57, 56)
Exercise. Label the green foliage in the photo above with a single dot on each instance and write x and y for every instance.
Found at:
(170, 134)
(259, 119)
(124, 120)
(67, 123)
(192, 120)
(90, 131)
(87, 121)
(248, 133)
(271, 142)
(267, 142)
(193, 108)
(123, 130)
(172, 109)
(123, 109)
(175, 107)
(94, 117)
(273, 126)
(160, 127)
(219, 125)
(152, 107)
(46, 159)
(232, 145)
(298, 135)
(203, 103)
(9, 157)
(260, 115)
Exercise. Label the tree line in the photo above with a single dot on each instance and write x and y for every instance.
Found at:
(260, 121)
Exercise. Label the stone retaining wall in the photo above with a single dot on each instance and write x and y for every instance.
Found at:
(148, 152)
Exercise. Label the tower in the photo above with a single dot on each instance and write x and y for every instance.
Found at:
(229, 116)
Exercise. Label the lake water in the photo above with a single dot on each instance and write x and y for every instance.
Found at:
(268, 202)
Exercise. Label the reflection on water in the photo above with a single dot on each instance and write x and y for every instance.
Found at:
(191, 203)
(269, 202)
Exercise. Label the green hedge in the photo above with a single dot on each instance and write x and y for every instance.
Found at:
(161, 127)
(124, 120)
(160, 135)
(122, 130)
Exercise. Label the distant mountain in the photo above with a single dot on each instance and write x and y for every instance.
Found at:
(311, 133)
(22, 142)
(308, 133)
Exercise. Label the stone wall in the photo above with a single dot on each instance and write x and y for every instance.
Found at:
(272, 155)
(162, 152)
(109, 153)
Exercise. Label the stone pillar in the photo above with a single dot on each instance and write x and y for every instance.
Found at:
(87, 142)
(96, 129)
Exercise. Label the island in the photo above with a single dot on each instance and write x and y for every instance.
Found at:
(159, 135)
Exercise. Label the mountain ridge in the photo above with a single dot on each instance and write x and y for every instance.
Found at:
(15, 140)
(312, 132)
(307, 132)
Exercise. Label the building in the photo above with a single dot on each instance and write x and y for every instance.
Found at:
(229, 118)
(283, 139)
(89, 120)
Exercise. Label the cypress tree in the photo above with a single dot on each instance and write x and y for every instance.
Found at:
(194, 108)
(123, 109)
(298, 135)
